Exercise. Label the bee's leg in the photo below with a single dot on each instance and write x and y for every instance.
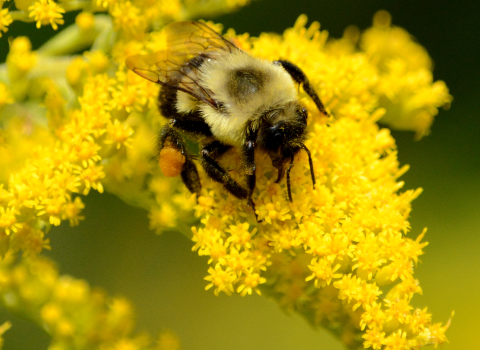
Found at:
(169, 137)
(250, 167)
(289, 188)
(299, 76)
(209, 154)
(191, 123)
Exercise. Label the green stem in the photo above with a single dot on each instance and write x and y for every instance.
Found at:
(53, 67)
(72, 39)
(76, 5)
(21, 16)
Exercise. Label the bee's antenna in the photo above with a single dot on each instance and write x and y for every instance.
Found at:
(289, 189)
(311, 164)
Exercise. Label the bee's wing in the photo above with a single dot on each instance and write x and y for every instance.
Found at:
(172, 67)
(191, 39)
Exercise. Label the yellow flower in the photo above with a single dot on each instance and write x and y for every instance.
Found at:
(69, 308)
(406, 78)
(5, 21)
(8, 221)
(126, 17)
(76, 73)
(118, 134)
(47, 12)
(5, 96)
(163, 217)
(72, 211)
(374, 338)
(85, 21)
(20, 58)
(323, 272)
(98, 62)
(249, 282)
(221, 279)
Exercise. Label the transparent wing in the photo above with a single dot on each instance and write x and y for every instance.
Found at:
(188, 43)
(190, 39)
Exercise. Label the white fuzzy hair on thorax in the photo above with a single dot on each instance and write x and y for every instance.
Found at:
(228, 123)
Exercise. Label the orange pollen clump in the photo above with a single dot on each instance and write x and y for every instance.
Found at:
(171, 161)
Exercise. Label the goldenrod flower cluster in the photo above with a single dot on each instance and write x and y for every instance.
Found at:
(338, 254)
(77, 316)
(132, 18)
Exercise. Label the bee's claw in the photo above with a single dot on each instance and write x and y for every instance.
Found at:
(251, 204)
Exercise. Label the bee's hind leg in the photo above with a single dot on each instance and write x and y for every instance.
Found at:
(170, 138)
(299, 76)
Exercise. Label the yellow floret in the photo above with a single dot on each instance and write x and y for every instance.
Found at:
(47, 12)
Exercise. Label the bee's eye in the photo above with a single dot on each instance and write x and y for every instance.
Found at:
(277, 138)
(275, 135)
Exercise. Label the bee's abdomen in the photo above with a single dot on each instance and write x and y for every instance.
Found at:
(168, 106)
(167, 99)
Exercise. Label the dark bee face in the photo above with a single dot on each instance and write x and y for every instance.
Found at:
(282, 135)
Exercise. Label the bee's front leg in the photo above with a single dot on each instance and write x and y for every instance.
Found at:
(299, 76)
(249, 165)
(209, 154)
(248, 153)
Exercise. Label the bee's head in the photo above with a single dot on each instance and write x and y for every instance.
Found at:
(282, 134)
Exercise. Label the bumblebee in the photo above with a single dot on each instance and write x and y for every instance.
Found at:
(225, 98)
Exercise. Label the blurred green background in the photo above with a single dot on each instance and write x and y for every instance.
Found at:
(113, 248)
